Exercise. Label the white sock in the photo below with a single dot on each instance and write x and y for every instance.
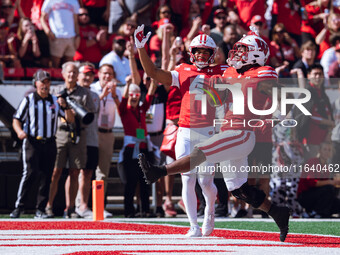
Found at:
(209, 191)
(189, 197)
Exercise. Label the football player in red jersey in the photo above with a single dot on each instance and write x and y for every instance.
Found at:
(194, 127)
(236, 141)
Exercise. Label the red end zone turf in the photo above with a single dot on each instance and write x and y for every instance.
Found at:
(82, 237)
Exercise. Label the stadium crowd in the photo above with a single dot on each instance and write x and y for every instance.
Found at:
(86, 38)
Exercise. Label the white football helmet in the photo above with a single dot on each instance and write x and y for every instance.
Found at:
(206, 42)
(249, 50)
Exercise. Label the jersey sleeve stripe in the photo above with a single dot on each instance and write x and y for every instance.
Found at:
(267, 75)
(267, 71)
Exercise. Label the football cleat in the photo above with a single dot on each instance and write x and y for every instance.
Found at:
(194, 231)
(281, 217)
(208, 224)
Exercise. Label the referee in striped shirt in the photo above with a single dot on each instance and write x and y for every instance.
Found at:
(35, 122)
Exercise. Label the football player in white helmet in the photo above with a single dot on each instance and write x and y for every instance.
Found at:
(192, 121)
(249, 50)
(202, 42)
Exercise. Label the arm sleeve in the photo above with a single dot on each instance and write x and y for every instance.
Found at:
(175, 78)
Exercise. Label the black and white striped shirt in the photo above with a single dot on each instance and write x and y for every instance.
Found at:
(39, 116)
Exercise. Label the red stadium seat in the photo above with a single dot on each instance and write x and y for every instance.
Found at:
(14, 73)
(56, 73)
(31, 71)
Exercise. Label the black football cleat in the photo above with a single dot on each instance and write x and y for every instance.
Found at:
(281, 217)
(151, 172)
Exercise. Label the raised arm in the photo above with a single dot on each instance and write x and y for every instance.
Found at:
(160, 75)
(136, 79)
(168, 30)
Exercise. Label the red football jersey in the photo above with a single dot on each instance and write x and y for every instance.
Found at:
(189, 79)
(248, 79)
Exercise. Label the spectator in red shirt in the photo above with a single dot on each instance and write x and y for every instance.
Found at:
(7, 11)
(331, 27)
(286, 50)
(99, 10)
(28, 44)
(155, 45)
(163, 12)
(135, 141)
(317, 12)
(89, 48)
(316, 191)
(8, 53)
(193, 24)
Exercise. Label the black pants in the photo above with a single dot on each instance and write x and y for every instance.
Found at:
(322, 199)
(38, 161)
(134, 175)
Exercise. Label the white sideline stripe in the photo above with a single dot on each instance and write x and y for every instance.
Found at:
(131, 239)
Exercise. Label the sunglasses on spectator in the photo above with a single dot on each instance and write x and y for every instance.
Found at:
(134, 94)
(83, 14)
(259, 23)
(220, 17)
(7, 6)
(279, 32)
(164, 12)
(148, 79)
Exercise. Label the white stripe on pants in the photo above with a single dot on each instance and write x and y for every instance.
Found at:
(234, 146)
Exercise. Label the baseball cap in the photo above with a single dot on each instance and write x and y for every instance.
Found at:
(337, 47)
(219, 11)
(42, 75)
(86, 69)
(163, 22)
(119, 38)
(257, 18)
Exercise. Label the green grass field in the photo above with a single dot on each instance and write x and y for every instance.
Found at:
(305, 227)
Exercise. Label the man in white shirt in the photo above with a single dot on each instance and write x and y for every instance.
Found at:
(117, 60)
(59, 19)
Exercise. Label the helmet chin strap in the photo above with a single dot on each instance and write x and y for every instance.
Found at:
(235, 64)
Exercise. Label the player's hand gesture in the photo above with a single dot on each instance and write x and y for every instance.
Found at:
(140, 39)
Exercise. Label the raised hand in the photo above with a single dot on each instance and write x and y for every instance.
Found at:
(140, 39)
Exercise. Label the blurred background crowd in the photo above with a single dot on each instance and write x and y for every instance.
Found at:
(95, 37)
